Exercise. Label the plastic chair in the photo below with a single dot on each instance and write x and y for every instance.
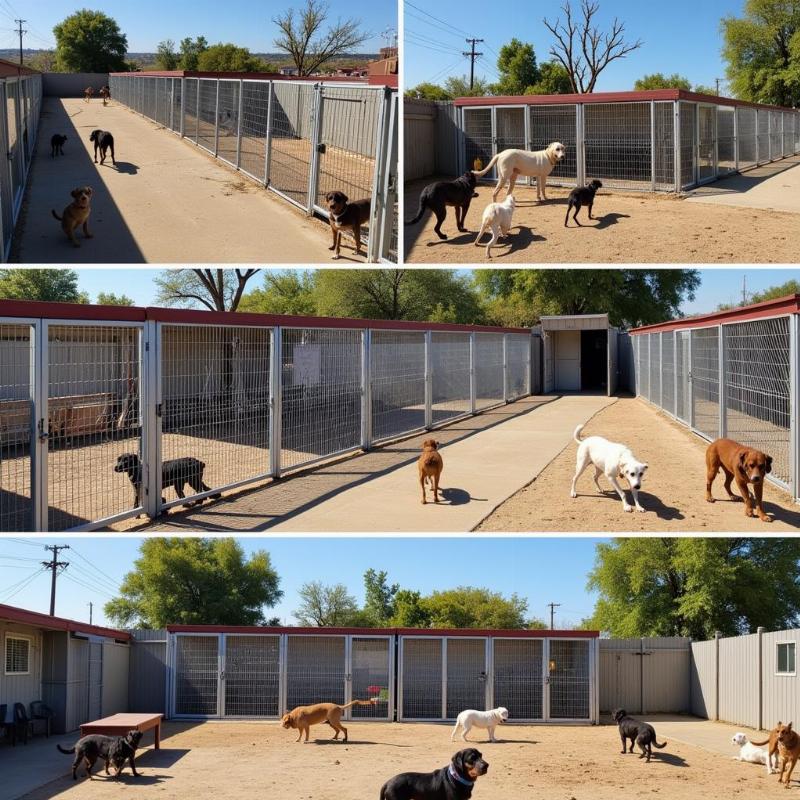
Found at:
(42, 714)
(6, 727)
(22, 723)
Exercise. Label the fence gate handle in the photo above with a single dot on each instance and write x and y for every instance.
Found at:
(44, 435)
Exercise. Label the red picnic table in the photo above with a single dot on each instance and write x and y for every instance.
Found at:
(120, 724)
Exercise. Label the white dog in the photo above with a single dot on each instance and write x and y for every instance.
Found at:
(753, 754)
(511, 164)
(612, 460)
(496, 216)
(469, 719)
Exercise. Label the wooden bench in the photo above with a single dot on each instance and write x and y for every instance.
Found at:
(120, 724)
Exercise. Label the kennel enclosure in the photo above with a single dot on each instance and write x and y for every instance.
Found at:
(658, 140)
(732, 374)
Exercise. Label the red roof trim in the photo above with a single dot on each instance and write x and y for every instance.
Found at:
(34, 618)
(266, 629)
(769, 308)
(242, 76)
(90, 313)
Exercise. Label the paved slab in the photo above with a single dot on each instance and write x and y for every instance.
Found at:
(480, 472)
(774, 186)
(166, 201)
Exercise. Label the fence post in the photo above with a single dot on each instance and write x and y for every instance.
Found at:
(473, 387)
(794, 405)
(661, 371)
(723, 389)
(183, 107)
(580, 145)
(316, 143)
(690, 382)
(505, 367)
(42, 379)
(760, 631)
(717, 637)
(736, 137)
(38, 397)
(529, 376)
(151, 422)
(376, 201)
(428, 379)
(676, 145)
(239, 126)
(216, 122)
(268, 139)
(275, 401)
(652, 146)
(366, 389)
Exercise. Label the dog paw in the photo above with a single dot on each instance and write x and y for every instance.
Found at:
(639, 508)
(627, 508)
(573, 494)
(765, 518)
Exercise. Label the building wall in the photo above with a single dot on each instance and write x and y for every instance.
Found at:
(54, 676)
(67, 84)
(147, 676)
(703, 680)
(20, 688)
(780, 692)
(430, 136)
(567, 346)
(738, 680)
(116, 659)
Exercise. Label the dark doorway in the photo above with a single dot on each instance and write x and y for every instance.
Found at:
(594, 361)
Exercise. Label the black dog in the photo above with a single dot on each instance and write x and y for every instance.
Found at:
(346, 215)
(642, 733)
(437, 196)
(175, 473)
(114, 750)
(453, 782)
(103, 141)
(582, 195)
(57, 145)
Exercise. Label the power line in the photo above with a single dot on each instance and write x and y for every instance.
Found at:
(53, 565)
(24, 541)
(440, 21)
(17, 587)
(432, 41)
(441, 72)
(100, 572)
(437, 28)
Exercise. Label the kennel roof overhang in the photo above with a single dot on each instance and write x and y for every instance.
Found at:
(33, 618)
(574, 322)
(609, 97)
(368, 81)
(789, 304)
(32, 309)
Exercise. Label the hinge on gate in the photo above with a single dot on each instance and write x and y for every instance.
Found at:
(158, 409)
(321, 147)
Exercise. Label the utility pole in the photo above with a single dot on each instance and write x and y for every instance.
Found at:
(718, 81)
(91, 606)
(552, 607)
(744, 290)
(53, 565)
(20, 32)
(472, 56)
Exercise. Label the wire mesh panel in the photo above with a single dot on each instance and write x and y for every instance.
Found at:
(478, 147)
(556, 123)
(706, 143)
(177, 105)
(655, 368)
(6, 190)
(788, 134)
(746, 137)
(397, 376)
(16, 422)
(668, 372)
(664, 138)
(370, 676)
(688, 144)
(450, 367)
(191, 120)
(569, 679)
(518, 358)
(163, 100)
(466, 675)
(775, 134)
(757, 389)
(510, 128)
(207, 115)
(683, 366)
(644, 365)
(255, 107)
(763, 135)
(215, 405)
(489, 373)
(196, 675)
(421, 678)
(291, 132)
(518, 677)
(228, 121)
(252, 675)
(315, 670)
(93, 419)
(321, 403)
(726, 139)
(705, 381)
(617, 143)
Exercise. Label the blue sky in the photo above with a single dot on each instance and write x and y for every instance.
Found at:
(247, 23)
(679, 36)
(543, 570)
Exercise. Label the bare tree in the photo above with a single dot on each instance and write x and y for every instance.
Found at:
(216, 289)
(302, 37)
(583, 49)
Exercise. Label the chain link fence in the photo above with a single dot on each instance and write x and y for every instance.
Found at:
(103, 420)
(297, 138)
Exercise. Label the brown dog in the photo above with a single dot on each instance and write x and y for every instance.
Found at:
(76, 214)
(744, 465)
(105, 93)
(345, 215)
(88, 93)
(789, 751)
(772, 741)
(303, 717)
(430, 466)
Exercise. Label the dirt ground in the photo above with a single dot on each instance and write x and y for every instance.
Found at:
(631, 228)
(674, 488)
(229, 761)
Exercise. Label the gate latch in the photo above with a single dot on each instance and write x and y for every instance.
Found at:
(321, 147)
(44, 435)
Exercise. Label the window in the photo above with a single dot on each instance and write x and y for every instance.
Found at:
(786, 663)
(18, 655)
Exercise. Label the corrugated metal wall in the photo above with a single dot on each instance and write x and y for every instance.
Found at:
(738, 680)
(115, 677)
(430, 136)
(21, 688)
(147, 676)
(781, 692)
(703, 679)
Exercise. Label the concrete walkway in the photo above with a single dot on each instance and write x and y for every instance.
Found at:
(774, 186)
(480, 472)
(166, 201)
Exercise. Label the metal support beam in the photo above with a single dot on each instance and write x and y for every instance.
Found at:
(275, 401)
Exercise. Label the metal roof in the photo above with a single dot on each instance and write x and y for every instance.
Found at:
(33, 618)
(565, 322)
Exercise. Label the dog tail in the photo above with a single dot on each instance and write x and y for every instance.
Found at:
(359, 703)
(481, 173)
(577, 434)
(758, 744)
(55, 215)
(430, 460)
(423, 204)
(656, 744)
(65, 752)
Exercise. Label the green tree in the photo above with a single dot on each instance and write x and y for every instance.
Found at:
(458, 86)
(215, 289)
(469, 607)
(193, 581)
(516, 66)
(111, 299)
(553, 79)
(658, 80)
(44, 61)
(230, 58)
(700, 89)
(772, 293)
(409, 610)
(287, 291)
(428, 91)
(630, 296)
(396, 294)
(326, 606)
(308, 45)
(693, 587)
(90, 41)
(380, 595)
(191, 49)
(50, 285)
(762, 51)
(166, 56)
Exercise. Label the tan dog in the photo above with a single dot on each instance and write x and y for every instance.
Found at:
(430, 466)
(743, 464)
(512, 164)
(76, 214)
(105, 93)
(772, 749)
(88, 93)
(303, 717)
(789, 751)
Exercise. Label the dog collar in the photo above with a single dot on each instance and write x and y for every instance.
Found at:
(459, 778)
